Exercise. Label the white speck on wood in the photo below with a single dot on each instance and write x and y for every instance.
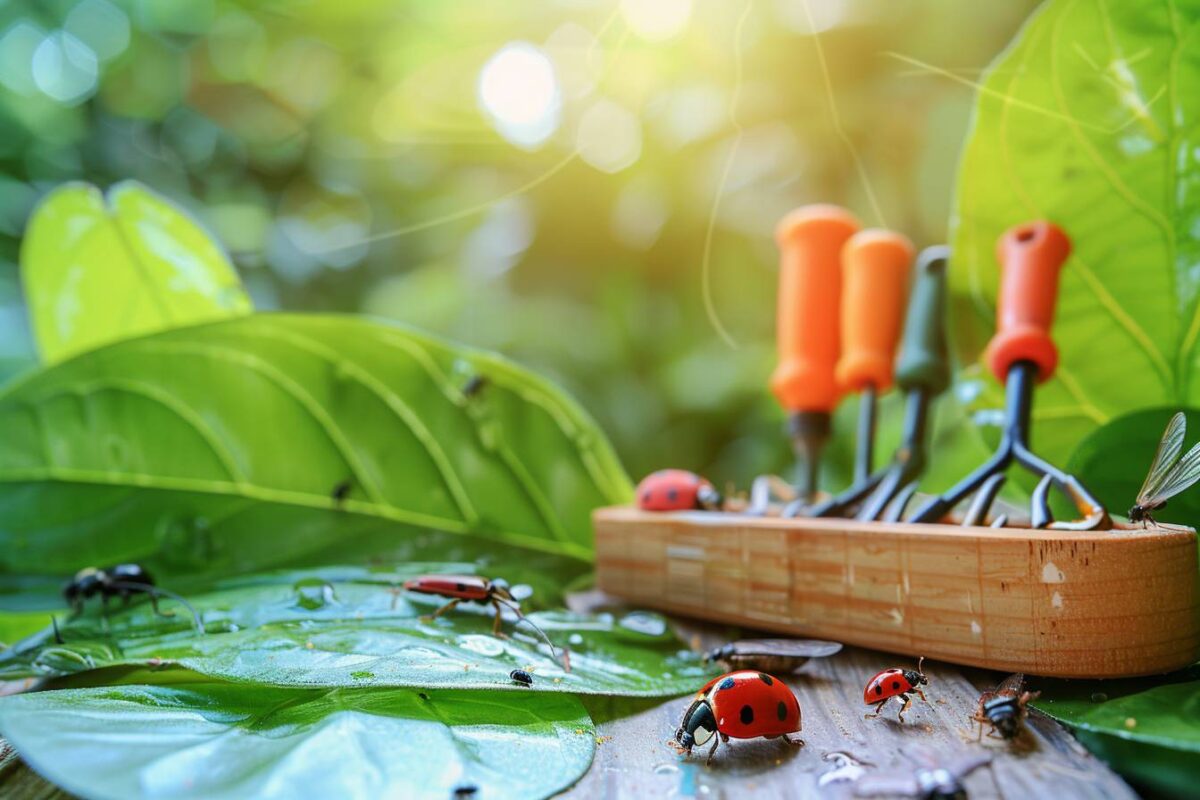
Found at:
(1056, 600)
(976, 628)
(1052, 574)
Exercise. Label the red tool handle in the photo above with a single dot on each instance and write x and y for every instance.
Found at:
(810, 243)
(1031, 256)
(875, 266)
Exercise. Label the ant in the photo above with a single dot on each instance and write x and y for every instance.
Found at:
(124, 581)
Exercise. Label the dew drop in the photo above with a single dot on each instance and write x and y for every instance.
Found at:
(313, 593)
(644, 623)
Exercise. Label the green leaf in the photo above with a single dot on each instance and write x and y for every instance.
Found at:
(1084, 120)
(220, 447)
(99, 268)
(348, 627)
(1116, 481)
(214, 740)
(1147, 729)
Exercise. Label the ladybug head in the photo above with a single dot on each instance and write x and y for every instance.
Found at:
(708, 498)
(917, 677)
(698, 726)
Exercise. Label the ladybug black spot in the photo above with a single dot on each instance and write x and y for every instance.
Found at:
(726, 684)
(462, 587)
(747, 715)
(765, 678)
(672, 495)
(895, 684)
(878, 689)
(781, 711)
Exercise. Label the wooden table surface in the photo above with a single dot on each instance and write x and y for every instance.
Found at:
(634, 761)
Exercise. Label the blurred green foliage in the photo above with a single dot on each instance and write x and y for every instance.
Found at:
(298, 131)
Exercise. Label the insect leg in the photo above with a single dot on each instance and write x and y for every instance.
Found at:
(57, 636)
(797, 742)
(713, 751)
(498, 620)
(878, 708)
(907, 702)
(448, 607)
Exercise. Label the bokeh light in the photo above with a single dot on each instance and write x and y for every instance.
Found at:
(519, 92)
(609, 136)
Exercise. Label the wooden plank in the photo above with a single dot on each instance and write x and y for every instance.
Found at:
(1071, 604)
(633, 759)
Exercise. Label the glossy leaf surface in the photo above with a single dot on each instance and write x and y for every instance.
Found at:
(217, 740)
(347, 627)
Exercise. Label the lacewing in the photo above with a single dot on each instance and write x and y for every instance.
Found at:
(1169, 474)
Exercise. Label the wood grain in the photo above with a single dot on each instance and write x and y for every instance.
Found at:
(633, 759)
(1071, 604)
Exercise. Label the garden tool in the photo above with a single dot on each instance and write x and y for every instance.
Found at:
(1020, 354)
(875, 265)
(810, 243)
(923, 372)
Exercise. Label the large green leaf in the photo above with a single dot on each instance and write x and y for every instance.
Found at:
(352, 627)
(215, 740)
(220, 447)
(1147, 729)
(100, 268)
(1086, 120)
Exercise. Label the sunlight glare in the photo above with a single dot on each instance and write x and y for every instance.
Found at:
(656, 20)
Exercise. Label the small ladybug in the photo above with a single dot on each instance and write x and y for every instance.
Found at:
(739, 705)
(895, 682)
(520, 676)
(676, 490)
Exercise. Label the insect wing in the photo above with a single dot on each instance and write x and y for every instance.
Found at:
(1010, 686)
(791, 648)
(1164, 458)
(887, 784)
(1185, 473)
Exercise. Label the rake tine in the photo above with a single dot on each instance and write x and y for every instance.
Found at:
(1000, 521)
(980, 504)
(895, 511)
(1039, 504)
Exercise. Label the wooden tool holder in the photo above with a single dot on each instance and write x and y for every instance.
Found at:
(1094, 604)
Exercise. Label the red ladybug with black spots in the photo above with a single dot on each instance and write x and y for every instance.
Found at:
(895, 682)
(676, 490)
(740, 705)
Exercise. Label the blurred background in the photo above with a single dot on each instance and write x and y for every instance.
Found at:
(543, 178)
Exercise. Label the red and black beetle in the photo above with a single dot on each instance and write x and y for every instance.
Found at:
(474, 589)
(676, 490)
(895, 682)
(739, 705)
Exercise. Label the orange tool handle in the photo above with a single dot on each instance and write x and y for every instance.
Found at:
(1031, 256)
(810, 243)
(875, 265)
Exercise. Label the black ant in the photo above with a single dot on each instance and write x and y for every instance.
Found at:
(474, 385)
(124, 581)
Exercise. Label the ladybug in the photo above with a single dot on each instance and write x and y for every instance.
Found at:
(473, 589)
(676, 490)
(895, 682)
(739, 705)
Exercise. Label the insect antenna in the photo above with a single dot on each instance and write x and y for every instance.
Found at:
(516, 609)
(156, 590)
(920, 664)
